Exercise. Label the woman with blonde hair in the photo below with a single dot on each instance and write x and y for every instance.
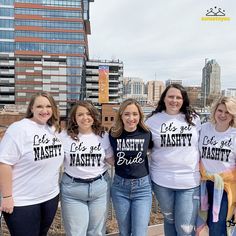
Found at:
(131, 188)
(218, 167)
(30, 158)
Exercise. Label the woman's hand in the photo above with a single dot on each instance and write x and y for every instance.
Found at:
(7, 204)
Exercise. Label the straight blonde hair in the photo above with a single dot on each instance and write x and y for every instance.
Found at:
(230, 104)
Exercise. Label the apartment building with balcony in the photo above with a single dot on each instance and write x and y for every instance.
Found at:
(43, 46)
(91, 88)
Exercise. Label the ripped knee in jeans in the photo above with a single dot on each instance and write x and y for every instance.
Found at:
(187, 229)
(169, 217)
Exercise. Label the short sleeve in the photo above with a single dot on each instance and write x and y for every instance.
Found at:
(147, 122)
(63, 137)
(9, 150)
(107, 146)
(234, 142)
(150, 145)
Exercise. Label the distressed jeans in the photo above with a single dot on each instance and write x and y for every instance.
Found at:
(179, 208)
(132, 200)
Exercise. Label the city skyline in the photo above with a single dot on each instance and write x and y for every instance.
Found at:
(161, 41)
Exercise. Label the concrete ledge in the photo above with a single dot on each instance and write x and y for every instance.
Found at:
(153, 230)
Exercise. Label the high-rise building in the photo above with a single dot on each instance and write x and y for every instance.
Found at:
(43, 46)
(229, 92)
(211, 85)
(154, 90)
(103, 82)
(134, 87)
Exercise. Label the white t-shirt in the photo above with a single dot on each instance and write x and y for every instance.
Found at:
(218, 149)
(35, 154)
(85, 158)
(175, 155)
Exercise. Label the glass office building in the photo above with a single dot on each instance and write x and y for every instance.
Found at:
(43, 46)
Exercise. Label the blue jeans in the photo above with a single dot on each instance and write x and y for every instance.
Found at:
(217, 228)
(179, 208)
(33, 220)
(85, 206)
(132, 200)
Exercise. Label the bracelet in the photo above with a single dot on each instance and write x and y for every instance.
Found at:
(7, 196)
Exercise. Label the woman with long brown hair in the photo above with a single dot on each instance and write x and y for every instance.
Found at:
(85, 185)
(131, 188)
(30, 158)
(174, 164)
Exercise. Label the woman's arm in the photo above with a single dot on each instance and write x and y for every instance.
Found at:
(7, 203)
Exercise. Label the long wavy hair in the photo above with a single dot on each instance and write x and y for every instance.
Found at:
(118, 126)
(230, 104)
(55, 118)
(186, 109)
(72, 127)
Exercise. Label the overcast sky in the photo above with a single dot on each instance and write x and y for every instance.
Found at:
(164, 39)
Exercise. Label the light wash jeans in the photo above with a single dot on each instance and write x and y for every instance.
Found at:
(132, 200)
(180, 209)
(85, 206)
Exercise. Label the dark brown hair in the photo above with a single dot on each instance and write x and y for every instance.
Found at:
(186, 109)
(72, 126)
